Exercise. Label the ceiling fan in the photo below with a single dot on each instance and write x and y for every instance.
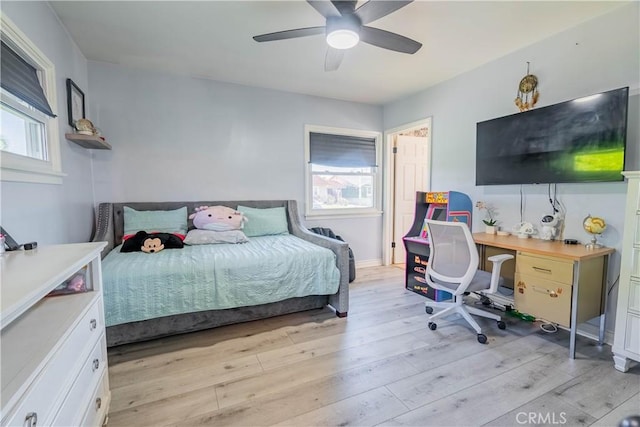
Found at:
(346, 26)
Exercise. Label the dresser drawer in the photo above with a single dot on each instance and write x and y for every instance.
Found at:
(544, 299)
(98, 404)
(635, 261)
(78, 399)
(545, 268)
(52, 384)
(632, 334)
(634, 297)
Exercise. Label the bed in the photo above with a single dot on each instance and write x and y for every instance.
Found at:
(149, 296)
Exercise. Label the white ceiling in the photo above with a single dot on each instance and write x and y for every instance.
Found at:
(212, 39)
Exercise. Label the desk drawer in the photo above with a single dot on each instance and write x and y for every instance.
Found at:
(544, 299)
(545, 268)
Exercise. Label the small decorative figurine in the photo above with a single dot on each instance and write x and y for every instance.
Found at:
(85, 127)
(595, 226)
(550, 225)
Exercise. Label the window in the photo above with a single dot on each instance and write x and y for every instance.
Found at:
(342, 176)
(29, 143)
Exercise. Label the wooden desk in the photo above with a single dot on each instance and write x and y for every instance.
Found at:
(592, 263)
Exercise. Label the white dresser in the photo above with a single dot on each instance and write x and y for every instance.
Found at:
(54, 358)
(626, 343)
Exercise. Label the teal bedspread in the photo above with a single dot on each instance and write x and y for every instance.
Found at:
(140, 286)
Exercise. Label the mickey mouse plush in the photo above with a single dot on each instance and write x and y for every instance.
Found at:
(151, 242)
(152, 245)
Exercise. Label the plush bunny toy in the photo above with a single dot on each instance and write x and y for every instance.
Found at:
(218, 218)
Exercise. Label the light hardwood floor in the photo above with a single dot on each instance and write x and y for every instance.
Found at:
(379, 366)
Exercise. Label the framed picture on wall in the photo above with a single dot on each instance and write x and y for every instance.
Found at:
(75, 102)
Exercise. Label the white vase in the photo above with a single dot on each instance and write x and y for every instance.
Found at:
(490, 229)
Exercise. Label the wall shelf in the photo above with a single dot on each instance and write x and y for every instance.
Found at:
(89, 141)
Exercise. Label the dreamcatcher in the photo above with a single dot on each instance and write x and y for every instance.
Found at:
(527, 92)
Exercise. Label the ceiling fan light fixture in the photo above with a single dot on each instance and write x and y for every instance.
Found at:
(343, 32)
(342, 39)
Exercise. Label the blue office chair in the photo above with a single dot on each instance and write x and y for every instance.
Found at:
(453, 268)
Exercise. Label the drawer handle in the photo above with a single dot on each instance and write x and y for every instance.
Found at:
(31, 419)
(96, 364)
(550, 292)
(542, 270)
(93, 323)
(98, 403)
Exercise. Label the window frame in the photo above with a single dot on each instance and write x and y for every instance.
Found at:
(312, 213)
(17, 168)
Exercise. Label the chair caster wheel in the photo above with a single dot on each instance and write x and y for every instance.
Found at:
(429, 310)
(502, 325)
(482, 338)
(433, 326)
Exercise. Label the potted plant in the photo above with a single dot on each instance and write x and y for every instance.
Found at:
(489, 221)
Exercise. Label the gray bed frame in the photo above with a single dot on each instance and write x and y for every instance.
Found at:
(110, 229)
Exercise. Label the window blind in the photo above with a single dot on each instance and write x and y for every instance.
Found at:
(342, 150)
(20, 79)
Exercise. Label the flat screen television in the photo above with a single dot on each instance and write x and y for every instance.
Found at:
(582, 140)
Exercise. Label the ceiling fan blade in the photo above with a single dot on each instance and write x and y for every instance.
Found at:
(324, 7)
(345, 7)
(376, 9)
(290, 34)
(387, 40)
(333, 58)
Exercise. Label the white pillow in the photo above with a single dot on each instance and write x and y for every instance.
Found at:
(209, 237)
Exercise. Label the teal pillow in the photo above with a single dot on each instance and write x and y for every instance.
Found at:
(159, 221)
(264, 222)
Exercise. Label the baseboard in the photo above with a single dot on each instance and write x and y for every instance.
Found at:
(369, 263)
(591, 331)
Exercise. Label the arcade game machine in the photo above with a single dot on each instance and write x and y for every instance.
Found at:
(440, 206)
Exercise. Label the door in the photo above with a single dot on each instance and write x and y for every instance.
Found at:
(411, 174)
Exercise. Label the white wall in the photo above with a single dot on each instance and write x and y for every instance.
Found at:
(179, 138)
(52, 213)
(599, 55)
